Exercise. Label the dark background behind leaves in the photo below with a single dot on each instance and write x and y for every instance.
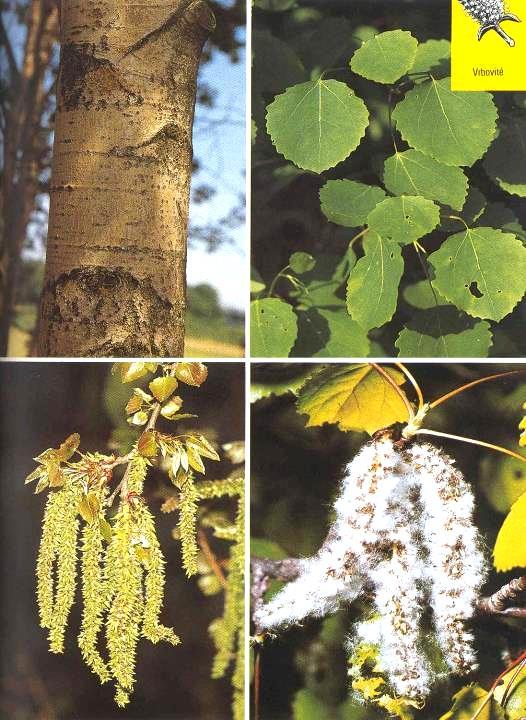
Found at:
(41, 404)
(295, 473)
(286, 214)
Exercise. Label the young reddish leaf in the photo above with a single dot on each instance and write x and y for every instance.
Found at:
(191, 373)
(68, 447)
(147, 444)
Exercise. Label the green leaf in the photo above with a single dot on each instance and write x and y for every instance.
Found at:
(355, 397)
(348, 203)
(423, 295)
(266, 388)
(301, 262)
(413, 173)
(506, 160)
(372, 288)
(274, 327)
(257, 284)
(468, 701)
(404, 219)
(433, 56)
(510, 549)
(386, 57)
(276, 65)
(444, 332)
(317, 124)
(329, 333)
(481, 271)
(263, 548)
(455, 128)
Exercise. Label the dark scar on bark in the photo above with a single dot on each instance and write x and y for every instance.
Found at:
(195, 11)
(76, 62)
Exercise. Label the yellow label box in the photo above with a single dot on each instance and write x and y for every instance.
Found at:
(492, 62)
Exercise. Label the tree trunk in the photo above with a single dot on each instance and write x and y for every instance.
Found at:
(122, 163)
(23, 148)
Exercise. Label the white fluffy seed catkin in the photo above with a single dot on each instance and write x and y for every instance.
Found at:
(404, 529)
(455, 567)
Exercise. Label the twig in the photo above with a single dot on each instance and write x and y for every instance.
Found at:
(209, 555)
(496, 604)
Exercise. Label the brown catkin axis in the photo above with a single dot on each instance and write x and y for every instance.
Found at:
(122, 157)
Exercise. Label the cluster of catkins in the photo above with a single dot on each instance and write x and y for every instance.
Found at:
(404, 531)
(122, 576)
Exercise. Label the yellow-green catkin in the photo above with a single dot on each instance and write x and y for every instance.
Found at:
(93, 596)
(153, 561)
(136, 474)
(123, 575)
(58, 556)
(55, 505)
(187, 525)
(232, 621)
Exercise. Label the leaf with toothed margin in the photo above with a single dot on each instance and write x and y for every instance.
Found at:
(413, 173)
(482, 271)
(372, 287)
(317, 124)
(355, 397)
(455, 128)
(386, 57)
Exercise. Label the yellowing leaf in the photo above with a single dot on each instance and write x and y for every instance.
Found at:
(68, 447)
(510, 546)
(89, 507)
(468, 701)
(140, 418)
(147, 444)
(522, 426)
(105, 529)
(191, 373)
(131, 371)
(163, 387)
(194, 459)
(172, 407)
(203, 446)
(355, 397)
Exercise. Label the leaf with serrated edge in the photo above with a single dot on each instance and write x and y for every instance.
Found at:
(413, 173)
(404, 219)
(386, 57)
(317, 124)
(347, 202)
(482, 271)
(191, 373)
(274, 327)
(454, 127)
(372, 288)
(355, 397)
(472, 342)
